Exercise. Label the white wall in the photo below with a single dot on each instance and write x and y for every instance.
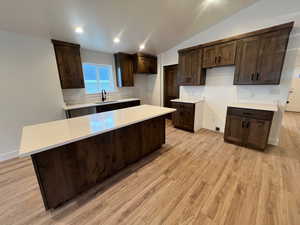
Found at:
(29, 89)
(140, 90)
(219, 91)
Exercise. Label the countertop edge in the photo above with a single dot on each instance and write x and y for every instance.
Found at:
(273, 108)
(22, 155)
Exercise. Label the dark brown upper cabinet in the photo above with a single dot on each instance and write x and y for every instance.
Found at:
(190, 71)
(247, 55)
(124, 69)
(144, 63)
(258, 56)
(69, 64)
(260, 59)
(219, 55)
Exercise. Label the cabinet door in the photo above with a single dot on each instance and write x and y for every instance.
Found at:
(124, 70)
(210, 57)
(185, 65)
(234, 129)
(246, 61)
(190, 71)
(257, 133)
(69, 64)
(226, 54)
(271, 57)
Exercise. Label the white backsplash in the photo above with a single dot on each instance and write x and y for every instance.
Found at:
(78, 96)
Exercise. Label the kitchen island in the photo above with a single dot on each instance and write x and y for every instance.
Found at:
(71, 156)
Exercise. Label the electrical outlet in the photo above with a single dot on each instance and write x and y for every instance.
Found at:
(217, 128)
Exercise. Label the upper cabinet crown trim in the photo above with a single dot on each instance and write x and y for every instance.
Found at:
(242, 36)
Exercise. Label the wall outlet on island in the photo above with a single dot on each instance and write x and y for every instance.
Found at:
(217, 128)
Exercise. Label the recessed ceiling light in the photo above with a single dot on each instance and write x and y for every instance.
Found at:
(117, 40)
(142, 46)
(79, 30)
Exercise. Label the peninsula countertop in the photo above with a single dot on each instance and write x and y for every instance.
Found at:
(45, 136)
(257, 106)
(188, 100)
(88, 105)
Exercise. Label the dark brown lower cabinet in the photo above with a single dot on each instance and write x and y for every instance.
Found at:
(248, 127)
(184, 117)
(66, 171)
(101, 108)
(117, 105)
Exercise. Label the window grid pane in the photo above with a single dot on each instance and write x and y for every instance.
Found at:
(97, 78)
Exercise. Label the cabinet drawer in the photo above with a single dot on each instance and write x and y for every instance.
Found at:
(251, 113)
(185, 106)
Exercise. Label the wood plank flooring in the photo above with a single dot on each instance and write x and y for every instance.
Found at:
(193, 179)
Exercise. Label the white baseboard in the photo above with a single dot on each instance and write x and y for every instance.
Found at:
(8, 155)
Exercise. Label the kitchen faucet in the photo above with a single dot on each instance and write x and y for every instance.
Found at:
(103, 95)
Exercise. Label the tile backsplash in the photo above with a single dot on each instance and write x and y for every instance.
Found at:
(78, 96)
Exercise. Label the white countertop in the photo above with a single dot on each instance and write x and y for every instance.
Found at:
(87, 105)
(267, 107)
(192, 100)
(42, 137)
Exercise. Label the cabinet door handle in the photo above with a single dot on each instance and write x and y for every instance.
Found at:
(257, 76)
(248, 124)
(243, 124)
(220, 58)
(252, 76)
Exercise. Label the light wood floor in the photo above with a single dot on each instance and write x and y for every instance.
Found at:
(193, 179)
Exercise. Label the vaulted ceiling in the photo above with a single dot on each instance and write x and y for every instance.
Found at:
(159, 24)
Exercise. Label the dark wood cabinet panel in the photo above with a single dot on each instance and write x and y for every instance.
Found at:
(124, 69)
(69, 64)
(258, 56)
(153, 135)
(248, 127)
(271, 57)
(184, 117)
(260, 59)
(234, 129)
(226, 54)
(210, 57)
(190, 71)
(246, 62)
(144, 63)
(219, 55)
(257, 133)
(66, 171)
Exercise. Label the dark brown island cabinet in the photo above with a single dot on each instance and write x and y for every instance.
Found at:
(69, 64)
(85, 151)
(258, 57)
(248, 127)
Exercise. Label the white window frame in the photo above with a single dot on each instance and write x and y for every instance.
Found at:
(111, 77)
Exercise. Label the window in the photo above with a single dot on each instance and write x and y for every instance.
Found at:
(97, 77)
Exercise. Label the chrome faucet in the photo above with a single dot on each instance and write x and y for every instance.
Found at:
(103, 95)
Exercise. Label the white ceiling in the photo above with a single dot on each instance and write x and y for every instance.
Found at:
(161, 24)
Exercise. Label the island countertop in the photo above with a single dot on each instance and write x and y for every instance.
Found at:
(45, 136)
